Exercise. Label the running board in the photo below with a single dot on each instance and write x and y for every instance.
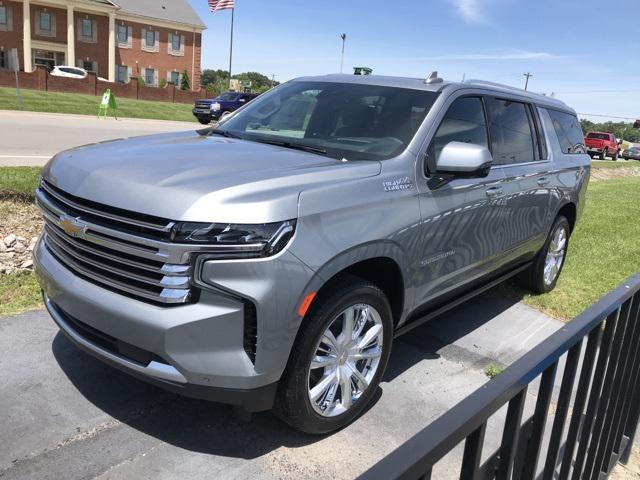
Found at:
(454, 303)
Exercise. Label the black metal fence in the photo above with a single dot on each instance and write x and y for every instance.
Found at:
(594, 422)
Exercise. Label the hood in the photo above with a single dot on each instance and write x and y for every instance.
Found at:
(185, 176)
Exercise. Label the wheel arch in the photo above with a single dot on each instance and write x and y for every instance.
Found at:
(570, 212)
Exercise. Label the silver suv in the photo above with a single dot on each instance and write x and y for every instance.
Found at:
(270, 262)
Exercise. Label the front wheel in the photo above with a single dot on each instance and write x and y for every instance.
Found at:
(204, 120)
(338, 359)
(543, 274)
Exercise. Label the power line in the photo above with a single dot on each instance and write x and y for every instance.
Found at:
(606, 116)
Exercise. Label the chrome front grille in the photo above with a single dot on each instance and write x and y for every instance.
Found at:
(119, 250)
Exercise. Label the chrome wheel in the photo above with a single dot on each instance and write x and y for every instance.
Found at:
(555, 255)
(345, 360)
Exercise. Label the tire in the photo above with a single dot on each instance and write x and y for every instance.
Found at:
(204, 120)
(603, 155)
(533, 278)
(614, 157)
(293, 402)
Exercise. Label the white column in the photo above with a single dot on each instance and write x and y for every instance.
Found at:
(71, 37)
(26, 36)
(112, 47)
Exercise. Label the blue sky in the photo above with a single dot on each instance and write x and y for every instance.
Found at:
(587, 51)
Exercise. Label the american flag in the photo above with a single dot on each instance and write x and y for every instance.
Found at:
(216, 5)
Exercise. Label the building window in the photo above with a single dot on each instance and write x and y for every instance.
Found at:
(150, 40)
(175, 42)
(87, 28)
(123, 36)
(122, 74)
(89, 66)
(174, 78)
(4, 20)
(149, 76)
(4, 63)
(45, 21)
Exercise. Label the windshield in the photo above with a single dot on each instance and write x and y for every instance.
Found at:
(342, 120)
(228, 96)
(601, 136)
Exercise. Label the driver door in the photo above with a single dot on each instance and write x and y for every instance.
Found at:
(463, 221)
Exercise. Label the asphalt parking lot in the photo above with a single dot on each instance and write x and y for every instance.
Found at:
(66, 415)
(31, 139)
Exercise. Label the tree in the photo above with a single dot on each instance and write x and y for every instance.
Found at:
(259, 82)
(184, 83)
(621, 130)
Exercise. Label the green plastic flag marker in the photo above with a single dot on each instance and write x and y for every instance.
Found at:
(108, 103)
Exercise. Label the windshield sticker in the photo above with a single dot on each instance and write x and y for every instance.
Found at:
(398, 184)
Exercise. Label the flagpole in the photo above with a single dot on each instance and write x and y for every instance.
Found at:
(231, 47)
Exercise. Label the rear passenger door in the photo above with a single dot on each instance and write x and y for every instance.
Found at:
(519, 150)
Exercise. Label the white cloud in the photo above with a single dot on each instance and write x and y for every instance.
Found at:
(469, 10)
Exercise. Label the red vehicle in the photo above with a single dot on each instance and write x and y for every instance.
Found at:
(603, 144)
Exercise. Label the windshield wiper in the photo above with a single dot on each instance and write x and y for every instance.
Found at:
(292, 145)
(216, 131)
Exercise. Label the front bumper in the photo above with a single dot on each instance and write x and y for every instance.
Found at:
(195, 349)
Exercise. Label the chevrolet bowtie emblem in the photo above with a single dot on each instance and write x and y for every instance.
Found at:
(72, 226)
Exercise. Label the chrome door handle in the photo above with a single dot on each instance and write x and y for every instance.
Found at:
(494, 192)
(543, 181)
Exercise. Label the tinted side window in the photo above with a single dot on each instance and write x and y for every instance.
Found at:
(463, 122)
(512, 135)
(568, 131)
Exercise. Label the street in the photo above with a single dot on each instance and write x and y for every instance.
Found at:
(66, 415)
(31, 139)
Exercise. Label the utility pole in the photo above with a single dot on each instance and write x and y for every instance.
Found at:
(273, 79)
(344, 39)
(526, 83)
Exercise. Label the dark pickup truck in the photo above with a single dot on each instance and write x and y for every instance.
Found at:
(206, 110)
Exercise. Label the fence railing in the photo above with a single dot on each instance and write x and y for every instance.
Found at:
(595, 418)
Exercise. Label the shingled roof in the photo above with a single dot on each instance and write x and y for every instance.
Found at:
(169, 10)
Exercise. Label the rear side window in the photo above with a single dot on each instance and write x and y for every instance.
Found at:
(463, 122)
(512, 132)
(568, 131)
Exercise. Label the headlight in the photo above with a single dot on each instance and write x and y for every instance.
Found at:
(232, 240)
(215, 107)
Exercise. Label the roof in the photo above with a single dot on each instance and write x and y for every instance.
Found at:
(419, 84)
(169, 10)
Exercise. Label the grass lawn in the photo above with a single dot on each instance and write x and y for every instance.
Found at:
(19, 292)
(18, 182)
(603, 251)
(612, 164)
(37, 101)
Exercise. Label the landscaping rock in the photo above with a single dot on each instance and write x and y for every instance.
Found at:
(9, 240)
(3, 247)
(19, 247)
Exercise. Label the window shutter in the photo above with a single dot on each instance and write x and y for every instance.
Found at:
(129, 36)
(168, 76)
(179, 85)
(182, 40)
(94, 31)
(155, 77)
(170, 43)
(129, 74)
(79, 63)
(144, 38)
(53, 24)
(157, 37)
(94, 66)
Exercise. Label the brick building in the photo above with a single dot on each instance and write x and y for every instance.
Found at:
(115, 39)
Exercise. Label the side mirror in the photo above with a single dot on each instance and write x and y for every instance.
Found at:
(464, 160)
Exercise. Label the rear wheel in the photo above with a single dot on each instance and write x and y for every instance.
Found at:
(614, 157)
(603, 155)
(339, 358)
(545, 270)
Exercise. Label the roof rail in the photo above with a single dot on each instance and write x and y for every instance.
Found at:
(550, 98)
